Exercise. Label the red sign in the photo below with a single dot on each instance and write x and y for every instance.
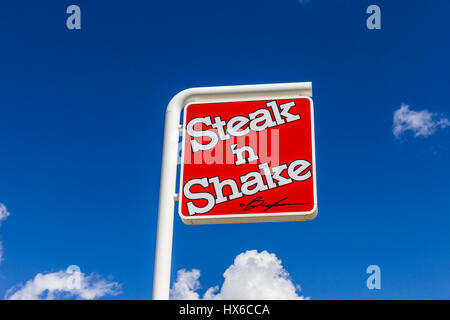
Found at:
(248, 161)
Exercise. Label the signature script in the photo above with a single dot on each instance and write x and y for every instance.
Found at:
(259, 202)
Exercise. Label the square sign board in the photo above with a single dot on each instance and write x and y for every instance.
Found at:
(248, 161)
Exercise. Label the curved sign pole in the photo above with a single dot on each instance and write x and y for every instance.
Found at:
(167, 195)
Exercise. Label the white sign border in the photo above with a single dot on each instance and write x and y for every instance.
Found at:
(249, 217)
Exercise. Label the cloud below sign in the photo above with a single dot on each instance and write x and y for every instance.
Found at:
(253, 276)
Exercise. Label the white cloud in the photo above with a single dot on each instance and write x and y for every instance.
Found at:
(421, 123)
(3, 212)
(3, 215)
(64, 285)
(253, 275)
(70, 283)
(186, 285)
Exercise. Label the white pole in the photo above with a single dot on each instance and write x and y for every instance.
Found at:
(163, 254)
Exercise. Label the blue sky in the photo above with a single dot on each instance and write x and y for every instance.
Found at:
(81, 131)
